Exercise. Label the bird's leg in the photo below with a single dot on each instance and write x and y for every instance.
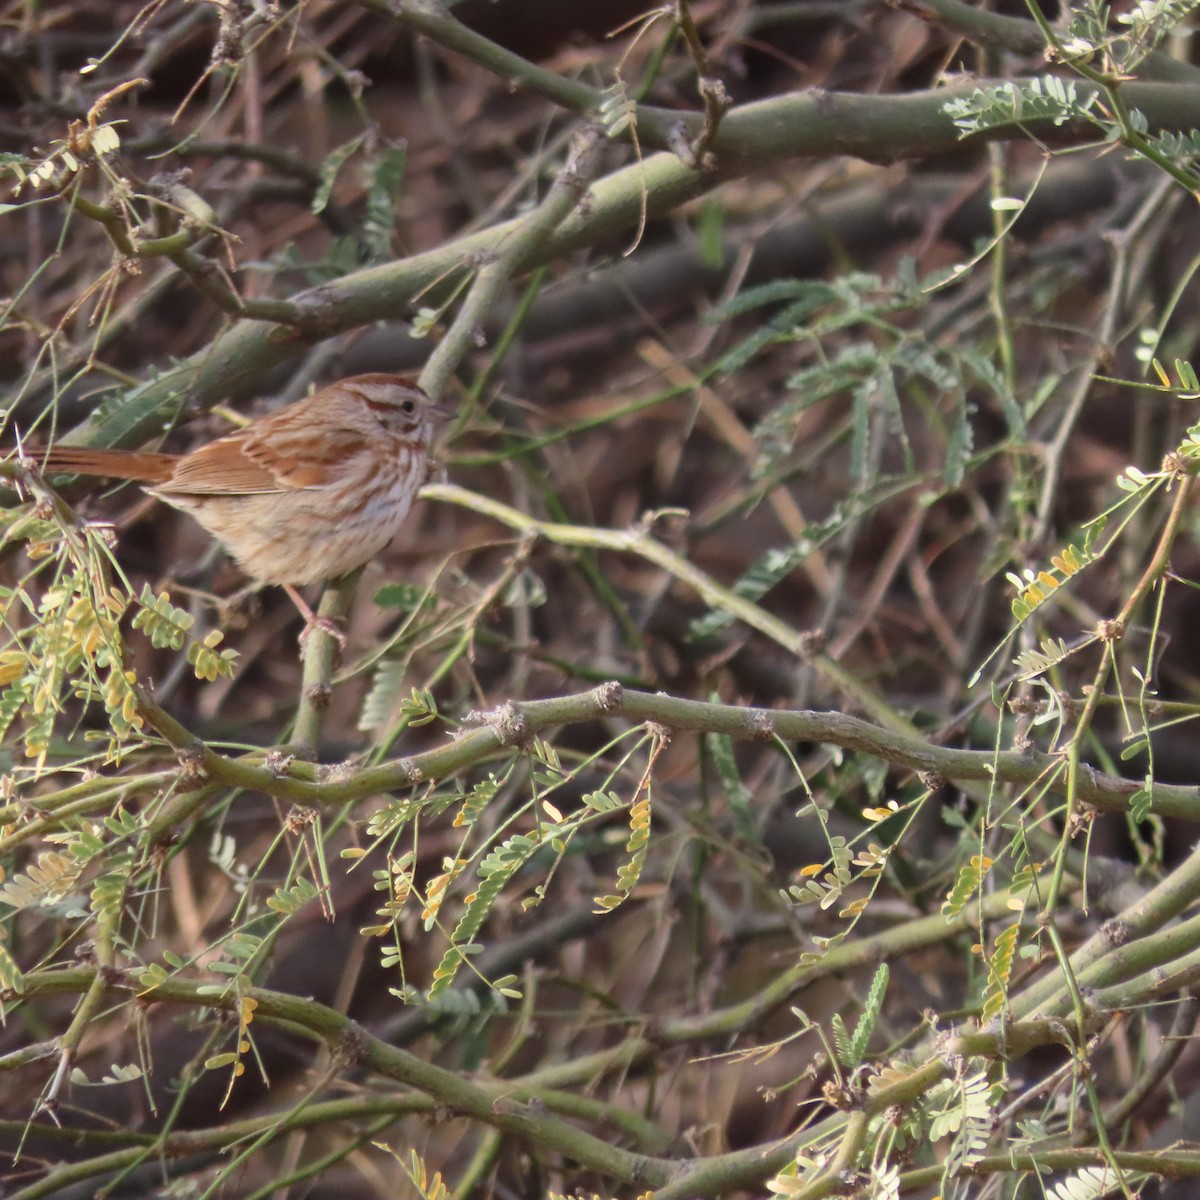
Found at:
(311, 621)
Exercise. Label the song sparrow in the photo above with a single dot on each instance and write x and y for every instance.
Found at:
(307, 493)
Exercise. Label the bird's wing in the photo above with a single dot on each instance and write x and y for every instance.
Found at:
(281, 453)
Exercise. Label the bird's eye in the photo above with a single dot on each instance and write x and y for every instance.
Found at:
(409, 407)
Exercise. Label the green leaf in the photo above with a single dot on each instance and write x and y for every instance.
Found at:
(870, 1015)
(712, 233)
(385, 182)
(403, 596)
(720, 747)
(328, 171)
(11, 978)
(132, 418)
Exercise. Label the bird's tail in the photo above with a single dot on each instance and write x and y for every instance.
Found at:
(140, 465)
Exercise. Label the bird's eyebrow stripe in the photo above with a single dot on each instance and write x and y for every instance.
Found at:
(375, 405)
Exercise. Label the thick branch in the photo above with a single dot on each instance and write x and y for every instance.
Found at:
(765, 134)
(504, 728)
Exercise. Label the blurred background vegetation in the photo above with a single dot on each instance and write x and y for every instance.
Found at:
(761, 766)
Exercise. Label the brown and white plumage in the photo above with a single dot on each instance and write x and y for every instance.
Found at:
(305, 494)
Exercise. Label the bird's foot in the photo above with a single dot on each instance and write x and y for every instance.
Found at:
(327, 625)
